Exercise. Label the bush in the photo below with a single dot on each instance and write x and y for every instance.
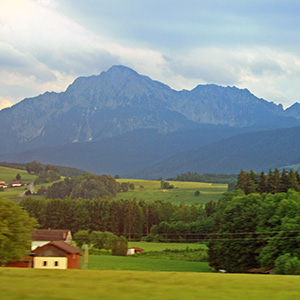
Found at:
(120, 246)
(292, 266)
(288, 265)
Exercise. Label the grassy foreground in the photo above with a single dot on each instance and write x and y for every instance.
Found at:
(183, 191)
(88, 284)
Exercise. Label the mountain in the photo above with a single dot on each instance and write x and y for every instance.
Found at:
(254, 150)
(126, 153)
(294, 110)
(119, 101)
(120, 122)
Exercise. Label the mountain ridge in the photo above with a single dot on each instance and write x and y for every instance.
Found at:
(117, 104)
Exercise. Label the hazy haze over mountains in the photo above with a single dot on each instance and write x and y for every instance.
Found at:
(95, 112)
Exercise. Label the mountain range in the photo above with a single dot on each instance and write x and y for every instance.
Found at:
(120, 122)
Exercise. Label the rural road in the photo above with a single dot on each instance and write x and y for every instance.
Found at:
(31, 188)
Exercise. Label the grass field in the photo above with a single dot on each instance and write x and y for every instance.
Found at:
(183, 191)
(110, 262)
(162, 246)
(89, 284)
(9, 174)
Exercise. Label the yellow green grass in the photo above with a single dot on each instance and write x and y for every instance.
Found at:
(148, 246)
(110, 262)
(89, 284)
(9, 175)
(183, 191)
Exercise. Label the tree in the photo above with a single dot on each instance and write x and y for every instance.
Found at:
(132, 186)
(16, 228)
(236, 214)
(197, 193)
(18, 176)
(82, 237)
(34, 167)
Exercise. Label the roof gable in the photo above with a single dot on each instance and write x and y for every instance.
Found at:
(60, 245)
(50, 234)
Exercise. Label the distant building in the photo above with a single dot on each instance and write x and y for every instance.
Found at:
(134, 250)
(3, 184)
(16, 183)
(56, 255)
(41, 237)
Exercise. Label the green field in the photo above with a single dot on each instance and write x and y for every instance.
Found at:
(183, 191)
(89, 284)
(110, 262)
(9, 175)
(162, 246)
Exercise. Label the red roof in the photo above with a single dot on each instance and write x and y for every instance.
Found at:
(60, 245)
(19, 182)
(137, 249)
(50, 234)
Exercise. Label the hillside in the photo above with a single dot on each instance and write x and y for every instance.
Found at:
(126, 153)
(256, 150)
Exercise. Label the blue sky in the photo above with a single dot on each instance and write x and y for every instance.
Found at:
(46, 44)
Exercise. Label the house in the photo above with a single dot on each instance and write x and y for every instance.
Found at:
(3, 184)
(16, 183)
(56, 255)
(41, 237)
(134, 250)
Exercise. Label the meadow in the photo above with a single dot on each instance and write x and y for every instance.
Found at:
(148, 246)
(183, 192)
(9, 174)
(94, 284)
(132, 263)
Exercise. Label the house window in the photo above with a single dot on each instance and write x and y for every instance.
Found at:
(44, 263)
(56, 263)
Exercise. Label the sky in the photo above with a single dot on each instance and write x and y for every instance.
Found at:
(46, 44)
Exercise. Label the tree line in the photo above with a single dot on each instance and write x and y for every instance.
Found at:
(256, 230)
(130, 218)
(207, 177)
(273, 182)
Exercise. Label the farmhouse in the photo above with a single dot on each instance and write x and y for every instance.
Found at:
(56, 255)
(3, 184)
(42, 237)
(134, 250)
(16, 183)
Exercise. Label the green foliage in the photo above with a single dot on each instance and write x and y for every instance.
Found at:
(166, 185)
(292, 266)
(255, 230)
(274, 182)
(16, 228)
(87, 186)
(211, 178)
(34, 167)
(280, 263)
(288, 265)
(18, 176)
(120, 246)
(82, 237)
(129, 218)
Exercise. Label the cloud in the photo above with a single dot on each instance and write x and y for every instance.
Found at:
(46, 44)
(4, 103)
